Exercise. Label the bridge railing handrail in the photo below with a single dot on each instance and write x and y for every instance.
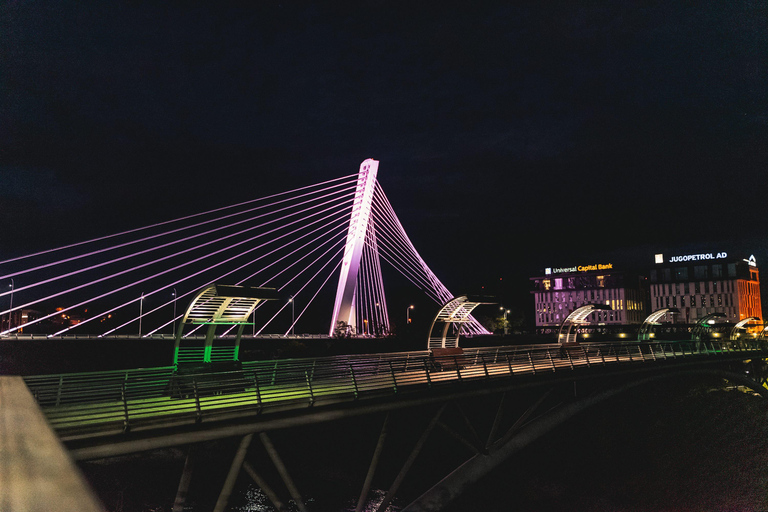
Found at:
(86, 404)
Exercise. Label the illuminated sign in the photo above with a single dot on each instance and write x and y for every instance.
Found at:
(752, 261)
(659, 258)
(579, 268)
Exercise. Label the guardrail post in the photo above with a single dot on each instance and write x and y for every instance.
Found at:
(496, 355)
(458, 368)
(309, 385)
(653, 352)
(258, 390)
(533, 366)
(640, 349)
(274, 373)
(549, 355)
(199, 417)
(407, 358)
(426, 372)
(354, 380)
(509, 364)
(58, 391)
(126, 425)
(630, 355)
(394, 380)
(485, 367)
(602, 356)
(586, 356)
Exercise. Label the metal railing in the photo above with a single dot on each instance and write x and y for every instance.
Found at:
(83, 405)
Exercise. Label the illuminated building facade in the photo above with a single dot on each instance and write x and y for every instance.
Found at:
(561, 290)
(700, 284)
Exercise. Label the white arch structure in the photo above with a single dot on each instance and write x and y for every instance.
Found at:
(644, 333)
(577, 317)
(740, 325)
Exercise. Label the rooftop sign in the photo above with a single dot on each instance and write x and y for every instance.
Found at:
(659, 258)
(579, 268)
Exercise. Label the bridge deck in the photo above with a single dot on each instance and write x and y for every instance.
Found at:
(83, 407)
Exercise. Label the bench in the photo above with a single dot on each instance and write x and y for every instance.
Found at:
(448, 358)
(210, 378)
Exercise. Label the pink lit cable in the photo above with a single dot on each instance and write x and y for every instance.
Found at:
(431, 278)
(174, 242)
(102, 279)
(186, 278)
(473, 325)
(338, 225)
(338, 252)
(330, 274)
(136, 283)
(171, 221)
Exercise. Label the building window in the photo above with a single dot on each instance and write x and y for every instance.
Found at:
(731, 270)
(681, 274)
(717, 271)
(654, 276)
(700, 272)
(547, 284)
(667, 274)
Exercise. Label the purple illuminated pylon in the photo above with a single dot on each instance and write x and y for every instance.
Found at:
(344, 307)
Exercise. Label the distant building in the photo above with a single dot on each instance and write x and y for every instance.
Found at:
(561, 290)
(700, 284)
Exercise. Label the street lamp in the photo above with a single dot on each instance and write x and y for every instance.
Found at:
(173, 332)
(141, 311)
(408, 313)
(10, 308)
(506, 329)
(293, 315)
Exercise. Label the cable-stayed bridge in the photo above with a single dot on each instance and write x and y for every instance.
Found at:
(301, 242)
(293, 248)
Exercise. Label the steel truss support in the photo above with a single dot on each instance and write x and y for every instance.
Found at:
(282, 470)
(234, 469)
(374, 464)
(186, 478)
(525, 431)
(264, 486)
(410, 460)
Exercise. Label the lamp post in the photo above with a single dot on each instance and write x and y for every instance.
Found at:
(293, 315)
(506, 329)
(141, 311)
(408, 314)
(173, 332)
(10, 308)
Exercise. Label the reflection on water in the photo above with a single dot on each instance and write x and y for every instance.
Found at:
(257, 501)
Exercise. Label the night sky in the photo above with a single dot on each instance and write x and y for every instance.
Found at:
(511, 137)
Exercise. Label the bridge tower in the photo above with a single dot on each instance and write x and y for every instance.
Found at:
(344, 307)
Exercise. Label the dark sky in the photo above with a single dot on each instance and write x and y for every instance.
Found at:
(511, 137)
